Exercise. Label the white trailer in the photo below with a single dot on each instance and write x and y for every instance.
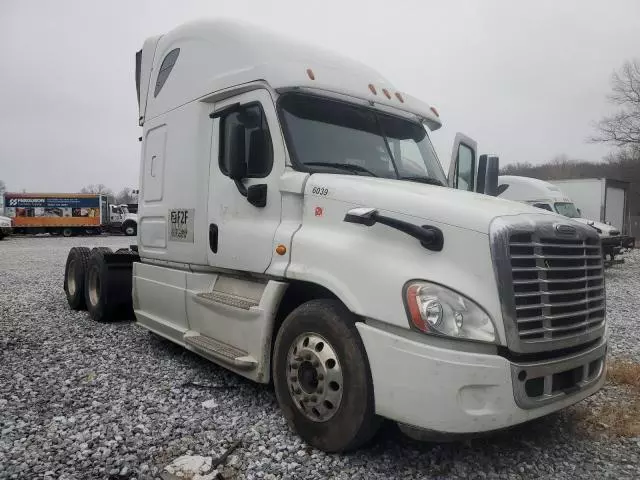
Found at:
(295, 226)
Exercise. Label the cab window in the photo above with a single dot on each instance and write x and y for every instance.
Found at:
(464, 168)
(544, 206)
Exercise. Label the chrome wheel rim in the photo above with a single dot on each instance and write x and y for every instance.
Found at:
(314, 377)
(71, 278)
(129, 231)
(94, 286)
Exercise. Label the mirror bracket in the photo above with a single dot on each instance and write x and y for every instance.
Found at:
(257, 195)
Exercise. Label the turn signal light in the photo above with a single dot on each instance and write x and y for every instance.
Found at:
(281, 249)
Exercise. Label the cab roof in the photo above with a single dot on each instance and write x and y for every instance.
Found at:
(528, 189)
(215, 55)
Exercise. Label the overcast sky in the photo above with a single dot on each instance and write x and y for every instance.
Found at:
(525, 79)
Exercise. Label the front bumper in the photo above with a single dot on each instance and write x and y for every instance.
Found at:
(456, 392)
(6, 230)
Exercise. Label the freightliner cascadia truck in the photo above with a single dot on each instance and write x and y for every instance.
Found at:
(296, 226)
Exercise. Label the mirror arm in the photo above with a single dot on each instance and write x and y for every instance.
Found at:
(241, 187)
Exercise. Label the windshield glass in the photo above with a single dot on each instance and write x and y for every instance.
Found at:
(567, 209)
(333, 136)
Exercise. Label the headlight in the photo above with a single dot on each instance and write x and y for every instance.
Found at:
(438, 310)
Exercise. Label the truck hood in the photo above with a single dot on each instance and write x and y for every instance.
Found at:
(444, 205)
(603, 227)
(5, 221)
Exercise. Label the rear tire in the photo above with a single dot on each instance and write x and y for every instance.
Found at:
(322, 378)
(96, 287)
(67, 232)
(74, 274)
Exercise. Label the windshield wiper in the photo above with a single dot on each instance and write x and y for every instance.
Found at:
(427, 180)
(345, 166)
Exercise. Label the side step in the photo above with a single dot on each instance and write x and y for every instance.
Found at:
(226, 299)
(220, 351)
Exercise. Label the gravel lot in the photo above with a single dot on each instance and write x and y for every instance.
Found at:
(82, 400)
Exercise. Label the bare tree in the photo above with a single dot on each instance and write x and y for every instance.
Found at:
(98, 188)
(622, 129)
(125, 196)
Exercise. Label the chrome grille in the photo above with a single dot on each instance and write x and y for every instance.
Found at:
(558, 286)
(551, 284)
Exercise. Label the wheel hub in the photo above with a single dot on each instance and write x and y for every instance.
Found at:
(71, 278)
(94, 287)
(314, 377)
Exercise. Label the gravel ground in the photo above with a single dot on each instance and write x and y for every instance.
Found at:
(81, 400)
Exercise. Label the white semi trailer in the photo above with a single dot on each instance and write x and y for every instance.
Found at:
(296, 227)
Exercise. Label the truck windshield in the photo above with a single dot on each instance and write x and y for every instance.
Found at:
(567, 209)
(332, 136)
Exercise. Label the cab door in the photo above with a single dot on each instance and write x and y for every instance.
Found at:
(463, 166)
(247, 160)
(469, 172)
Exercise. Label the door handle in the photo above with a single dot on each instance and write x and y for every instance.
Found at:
(213, 237)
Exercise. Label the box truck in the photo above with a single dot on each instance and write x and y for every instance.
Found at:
(296, 227)
(548, 196)
(66, 214)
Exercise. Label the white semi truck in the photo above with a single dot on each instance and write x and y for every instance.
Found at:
(296, 227)
(549, 196)
(602, 200)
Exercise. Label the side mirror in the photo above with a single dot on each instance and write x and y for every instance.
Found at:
(257, 151)
(488, 171)
(579, 212)
(235, 158)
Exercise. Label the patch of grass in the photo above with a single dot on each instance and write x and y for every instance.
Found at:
(618, 416)
(624, 372)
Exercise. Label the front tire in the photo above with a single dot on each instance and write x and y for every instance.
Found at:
(130, 229)
(74, 274)
(322, 378)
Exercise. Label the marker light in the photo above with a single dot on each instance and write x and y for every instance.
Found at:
(386, 93)
(437, 310)
(399, 97)
(281, 249)
(435, 112)
(373, 89)
(310, 73)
